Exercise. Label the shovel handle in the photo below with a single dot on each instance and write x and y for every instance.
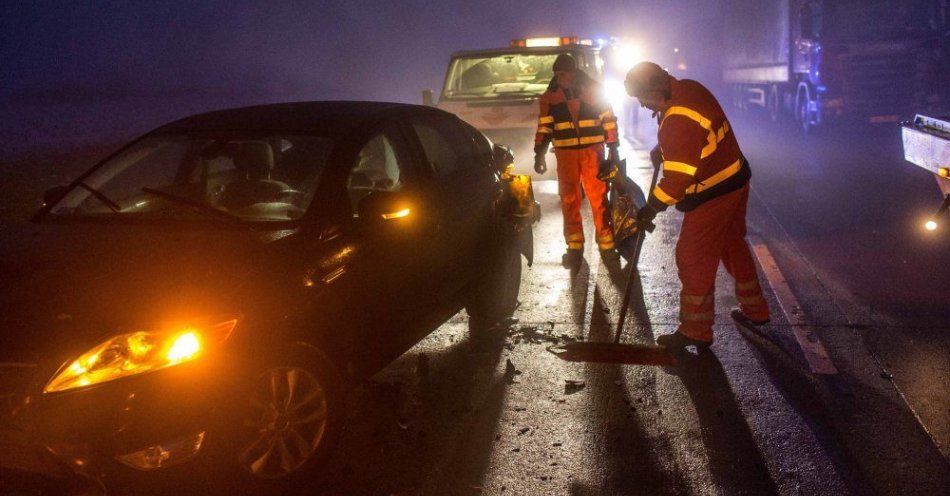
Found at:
(628, 287)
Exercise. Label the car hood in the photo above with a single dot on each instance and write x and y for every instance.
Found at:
(67, 287)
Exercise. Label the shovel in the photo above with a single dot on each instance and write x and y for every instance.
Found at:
(617, 352)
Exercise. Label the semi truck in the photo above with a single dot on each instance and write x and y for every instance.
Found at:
(821, 60)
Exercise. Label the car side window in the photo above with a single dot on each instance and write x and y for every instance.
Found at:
(481, 148)
(377, 168)
(442, 153)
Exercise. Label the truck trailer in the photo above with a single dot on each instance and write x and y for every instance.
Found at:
(819, 60)
(927, 145)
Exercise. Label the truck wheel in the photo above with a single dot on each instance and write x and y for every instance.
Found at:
(495, 296)
(803, 115)
(773, 104)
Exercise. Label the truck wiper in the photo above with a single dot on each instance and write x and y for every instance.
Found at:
(195, 205)
(115, 207)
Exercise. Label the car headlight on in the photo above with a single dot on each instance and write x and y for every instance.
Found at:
(139, 352)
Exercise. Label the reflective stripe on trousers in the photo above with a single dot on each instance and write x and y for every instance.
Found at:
(713, 232)
(577, 167)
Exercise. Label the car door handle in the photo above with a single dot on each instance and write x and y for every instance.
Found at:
(334, 274)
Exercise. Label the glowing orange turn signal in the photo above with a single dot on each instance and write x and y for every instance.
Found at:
(138, 352)
(184, 348)
(397, 214)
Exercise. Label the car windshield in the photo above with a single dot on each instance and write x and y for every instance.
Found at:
(247, 178)
(499, 76)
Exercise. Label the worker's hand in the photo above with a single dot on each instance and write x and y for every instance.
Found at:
(540, 165)
(656, 157)
(608, 171)
(645, 218)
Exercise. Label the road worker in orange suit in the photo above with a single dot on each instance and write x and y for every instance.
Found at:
(576, 118)
(705, 176)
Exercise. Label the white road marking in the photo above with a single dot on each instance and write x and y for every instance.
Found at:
(815, 353)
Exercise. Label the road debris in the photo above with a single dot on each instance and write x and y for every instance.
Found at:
(572, 386)
(511, 372)
(532, 334)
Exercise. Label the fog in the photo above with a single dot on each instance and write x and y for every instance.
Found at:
(77, 72)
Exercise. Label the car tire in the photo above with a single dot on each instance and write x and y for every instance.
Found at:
(291, 416)
(495, 297)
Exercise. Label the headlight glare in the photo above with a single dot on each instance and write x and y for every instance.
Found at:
(138, 352)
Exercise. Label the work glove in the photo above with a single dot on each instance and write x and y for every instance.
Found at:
(645, 218)
(608, 171)
(656, 157)
(540, 165)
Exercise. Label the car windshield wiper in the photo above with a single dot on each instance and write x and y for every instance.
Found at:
(517, 93)
(196, 206)
(115, 207)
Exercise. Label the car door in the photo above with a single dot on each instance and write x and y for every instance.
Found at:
(397, 250)
(463, 184)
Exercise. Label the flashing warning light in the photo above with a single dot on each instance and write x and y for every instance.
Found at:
(551, 41)
(541, 42)
(943, 172)
(397, 214)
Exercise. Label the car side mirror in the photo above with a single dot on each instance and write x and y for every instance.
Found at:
(384, 207)
(53, 194)
(503, 157)
(427, 98)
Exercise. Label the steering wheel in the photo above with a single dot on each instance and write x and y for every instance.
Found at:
(292, 195)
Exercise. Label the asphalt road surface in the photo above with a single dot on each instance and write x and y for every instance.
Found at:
(853, 275)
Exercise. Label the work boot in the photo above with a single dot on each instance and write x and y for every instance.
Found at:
(609, 255)
(678, 340)
(744, 319)
(572, 258)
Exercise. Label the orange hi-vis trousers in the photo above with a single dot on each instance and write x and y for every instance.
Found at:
(577, 167)
(712, 232)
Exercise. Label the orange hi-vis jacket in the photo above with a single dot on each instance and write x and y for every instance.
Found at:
(701, 157)
(575, 118)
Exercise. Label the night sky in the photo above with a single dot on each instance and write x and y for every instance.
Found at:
(136, 64)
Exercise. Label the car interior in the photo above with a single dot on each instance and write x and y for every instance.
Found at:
(376, 169)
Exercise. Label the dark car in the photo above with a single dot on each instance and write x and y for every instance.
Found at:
(203, 298)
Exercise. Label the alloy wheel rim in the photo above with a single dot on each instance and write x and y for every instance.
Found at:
(286, 422)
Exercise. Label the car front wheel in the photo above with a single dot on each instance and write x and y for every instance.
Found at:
(495, 297)
(291, 418)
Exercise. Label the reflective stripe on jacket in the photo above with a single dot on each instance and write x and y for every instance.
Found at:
(575, 118)
(701, 157)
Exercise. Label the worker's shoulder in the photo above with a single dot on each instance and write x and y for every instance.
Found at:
(552, 96)
(692, 93)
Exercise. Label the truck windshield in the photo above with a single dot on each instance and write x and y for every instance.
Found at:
(499, 76)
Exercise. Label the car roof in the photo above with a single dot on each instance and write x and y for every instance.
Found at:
(526, 50)
(330, 118)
